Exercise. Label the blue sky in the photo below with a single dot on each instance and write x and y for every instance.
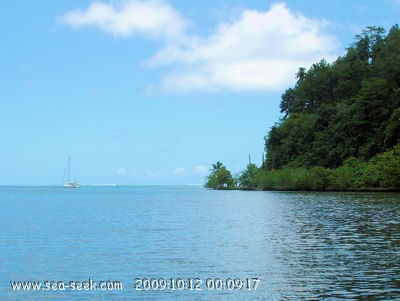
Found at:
(154, 92)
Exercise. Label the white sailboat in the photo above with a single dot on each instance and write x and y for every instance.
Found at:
(67, 172)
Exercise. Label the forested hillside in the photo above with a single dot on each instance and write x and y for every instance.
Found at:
(340, 124)
(350, 108)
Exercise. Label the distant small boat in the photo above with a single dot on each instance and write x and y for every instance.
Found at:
(71, 185)
(67, 172)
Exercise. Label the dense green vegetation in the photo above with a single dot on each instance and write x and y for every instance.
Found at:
(220, 177)
(340, 125)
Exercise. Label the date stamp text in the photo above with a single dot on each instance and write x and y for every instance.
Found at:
(197, 284)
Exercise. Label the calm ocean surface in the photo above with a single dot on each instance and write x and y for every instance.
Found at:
(301, 246)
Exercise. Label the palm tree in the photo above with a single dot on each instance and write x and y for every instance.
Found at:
(301, 74)
(216, 167)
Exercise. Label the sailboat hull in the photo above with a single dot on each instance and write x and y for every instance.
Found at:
(71, 185)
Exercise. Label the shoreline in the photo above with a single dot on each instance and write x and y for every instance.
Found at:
(311, 190)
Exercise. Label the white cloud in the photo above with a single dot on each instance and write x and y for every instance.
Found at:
(156, 174)
(121, 171)
(179, 171)
(152, 18)
(259, 50)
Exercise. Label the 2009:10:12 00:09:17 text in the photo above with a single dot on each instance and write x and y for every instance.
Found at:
(196, 284)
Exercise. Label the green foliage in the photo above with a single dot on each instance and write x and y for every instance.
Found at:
(388, 165)
(316, 178)
(392, 130)
(380, 172)
(291, 141)
(340, 126)
(251, 177)
(349, 108)
(220, 177)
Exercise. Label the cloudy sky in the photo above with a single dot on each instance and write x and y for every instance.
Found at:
(155, 91)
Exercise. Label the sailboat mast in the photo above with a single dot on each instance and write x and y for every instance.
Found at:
(67, 172)
(69, 168)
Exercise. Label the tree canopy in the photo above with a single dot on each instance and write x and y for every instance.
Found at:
(340, 125)
(220, 177)
(349, 108)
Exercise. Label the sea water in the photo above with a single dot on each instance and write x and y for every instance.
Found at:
(190, 243)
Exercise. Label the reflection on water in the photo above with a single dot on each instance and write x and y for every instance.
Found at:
(302, 246)
(341, 245)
